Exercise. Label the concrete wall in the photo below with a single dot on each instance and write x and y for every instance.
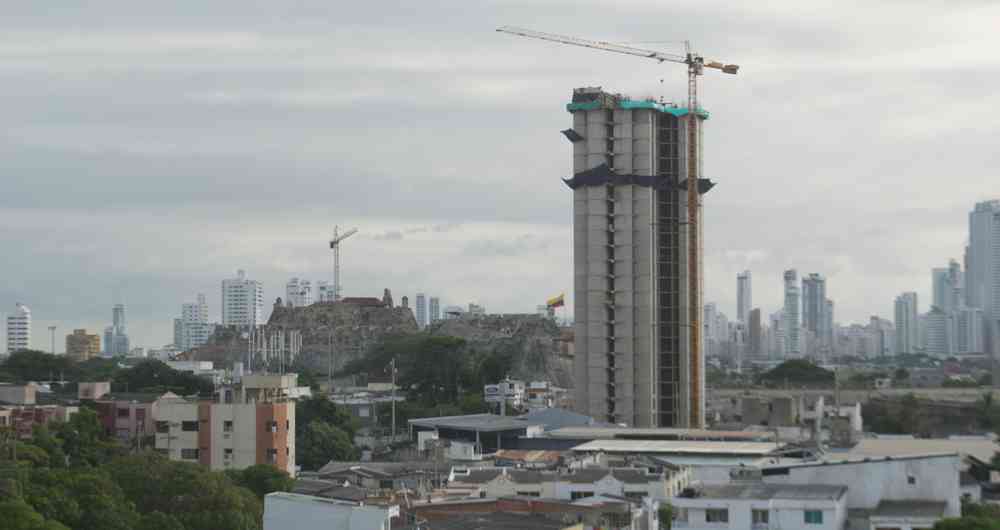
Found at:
(302, 512)
(934, 478)
(175, 412)
(18, 394)
(782, 513)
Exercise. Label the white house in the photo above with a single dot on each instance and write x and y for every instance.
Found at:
(285, 511)
(632, 483)
(759, 506)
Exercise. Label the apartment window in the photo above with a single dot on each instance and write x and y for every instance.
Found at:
(911, 480)
(189, 426)
(814, 516)
(759, 516)
(717, 515)
(164, 452)
(123, 413)
(162, 427)
(272, 456)
(635, 494)
(580, 494)
(227, 426)
(189, 454)
(385, 484)
(288, 425)
(271, 426)
(228, 453)
(528, 493)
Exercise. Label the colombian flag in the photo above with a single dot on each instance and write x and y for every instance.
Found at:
(558, 301)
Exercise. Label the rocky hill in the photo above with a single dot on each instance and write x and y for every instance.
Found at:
(353, 326)
(535, 345)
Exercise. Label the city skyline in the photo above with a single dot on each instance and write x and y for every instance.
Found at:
(269, 203)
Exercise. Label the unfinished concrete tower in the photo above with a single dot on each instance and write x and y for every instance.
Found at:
(634, 363)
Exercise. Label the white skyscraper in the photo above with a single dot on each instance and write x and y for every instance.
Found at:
(744, 296)
(324, 291)
(792, 323)
(434, 307)
(421, 311)
(982, 275)
(298, 293)
(940, 332)
(969, 330)
(907, 323)
(814, 307)
(19, 329)
(116, 340)
(242, 301)
(192, 329)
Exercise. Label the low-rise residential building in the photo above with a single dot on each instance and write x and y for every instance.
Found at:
(128, 417)
(381, 479)
(249, 424)
(24, 418)
(18, 394)
(92, 390)
(528, 513)
(759, 506)
(628, 482)
(286, 511)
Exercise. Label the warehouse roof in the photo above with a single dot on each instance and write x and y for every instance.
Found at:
(474, 422)
(980, 449)
(596, 433)
(762, 491)
(678, 447)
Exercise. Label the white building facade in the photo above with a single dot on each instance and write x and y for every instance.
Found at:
(421, 310)
(982, 276)
(792, 323)
(744, 295)
(242, 301)
(907, 324)
(192, 329)
(19, 329)
(299, 293)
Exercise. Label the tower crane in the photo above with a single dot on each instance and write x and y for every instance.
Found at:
(695, 65)
(335, 245)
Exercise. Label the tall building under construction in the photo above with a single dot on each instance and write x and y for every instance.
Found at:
(633, 306)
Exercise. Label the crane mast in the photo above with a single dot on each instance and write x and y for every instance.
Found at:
(696, 65)
(335, 245)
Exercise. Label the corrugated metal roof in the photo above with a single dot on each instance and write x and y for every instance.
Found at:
(678, 447)
(981, 449)
(762, 491)
(596, 433)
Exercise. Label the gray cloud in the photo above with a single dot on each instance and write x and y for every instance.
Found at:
(150, 150)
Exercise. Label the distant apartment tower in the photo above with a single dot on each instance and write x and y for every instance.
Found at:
(324, 291)
(633, 307)
(116, 340)
(814, 306)
(244, 426)
(792, 323)
(744, 295)
(907, 323)
(434, 308)
(81, 345)
(756, 346)
(19, 329)
(939, 332)
(421, 310)
(969, 330)
(298, 293)
(242, 301)
(982, 275)
(192, 329)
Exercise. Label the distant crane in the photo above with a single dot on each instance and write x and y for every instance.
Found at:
(696, 65)
(52, 333)
(335, 245)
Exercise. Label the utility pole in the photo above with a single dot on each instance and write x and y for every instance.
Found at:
(393, 368)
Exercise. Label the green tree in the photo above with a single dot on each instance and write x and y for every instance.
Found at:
(262, 479)
(159, 521)
(155, 376)
(666, 516)
(19, 515)
(321, 443)
(319, 408)
(82, 499)
(84, 440)
(798, 372)
(968, 523)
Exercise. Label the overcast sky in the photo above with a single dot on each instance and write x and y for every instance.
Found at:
(150, 149)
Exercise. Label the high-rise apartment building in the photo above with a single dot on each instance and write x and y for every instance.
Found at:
(982, 275)
(298, 293)
(434, 308)
(421, 310)
(907, 323)
(633, 307)
(324, 291)
(116, 340)
(19, 329)
(81, 345)
(756, 346)
(969, 330)
(939, 332)
(814, 305)
(192, 329)
(242, 301)
(792, 323)
(744, 295)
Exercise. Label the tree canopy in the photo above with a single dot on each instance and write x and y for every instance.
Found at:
(797, 373)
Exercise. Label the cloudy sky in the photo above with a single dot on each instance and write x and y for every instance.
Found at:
(149, 149)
